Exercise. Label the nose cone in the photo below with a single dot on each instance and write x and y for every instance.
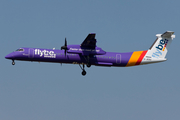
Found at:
(9, 56)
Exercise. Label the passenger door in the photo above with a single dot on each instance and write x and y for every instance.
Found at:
(118, 58)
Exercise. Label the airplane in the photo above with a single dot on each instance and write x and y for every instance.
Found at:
(89, 54)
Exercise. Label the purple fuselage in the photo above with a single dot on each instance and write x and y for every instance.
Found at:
(75, 55)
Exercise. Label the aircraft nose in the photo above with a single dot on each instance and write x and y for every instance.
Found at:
(9, 56)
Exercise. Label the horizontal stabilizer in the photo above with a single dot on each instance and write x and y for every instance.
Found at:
(167, 34)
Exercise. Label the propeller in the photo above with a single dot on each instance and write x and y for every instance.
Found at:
(64, 47)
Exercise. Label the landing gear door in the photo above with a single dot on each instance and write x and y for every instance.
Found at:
(118, 58)
(31, 53)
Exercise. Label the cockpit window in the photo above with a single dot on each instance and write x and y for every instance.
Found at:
(20, 49)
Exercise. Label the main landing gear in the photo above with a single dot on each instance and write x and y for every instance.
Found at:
(87, 60)
(83, 70)
(88, 65)
(13, 63)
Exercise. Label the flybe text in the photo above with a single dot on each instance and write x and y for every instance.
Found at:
(45, 53)
(160, 48)
(161, 43)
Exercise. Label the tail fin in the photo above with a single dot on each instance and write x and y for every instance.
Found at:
(159, 49)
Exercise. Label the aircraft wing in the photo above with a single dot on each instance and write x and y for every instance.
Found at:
(90, 41)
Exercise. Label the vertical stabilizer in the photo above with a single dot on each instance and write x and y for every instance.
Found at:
(159, 49)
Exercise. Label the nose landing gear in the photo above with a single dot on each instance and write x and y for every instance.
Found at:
(13, 63)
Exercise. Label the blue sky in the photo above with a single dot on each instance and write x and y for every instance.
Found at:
(44, 91)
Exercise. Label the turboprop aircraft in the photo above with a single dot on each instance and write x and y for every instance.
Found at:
(89, 54)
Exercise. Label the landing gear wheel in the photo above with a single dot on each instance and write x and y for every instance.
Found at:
(13, 63)
(83, 72)
(88, 65)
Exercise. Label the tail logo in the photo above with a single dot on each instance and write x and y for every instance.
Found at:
(161, 43)
(161, 47)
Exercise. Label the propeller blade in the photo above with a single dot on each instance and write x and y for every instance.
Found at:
(65, 42)
(64, 47)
